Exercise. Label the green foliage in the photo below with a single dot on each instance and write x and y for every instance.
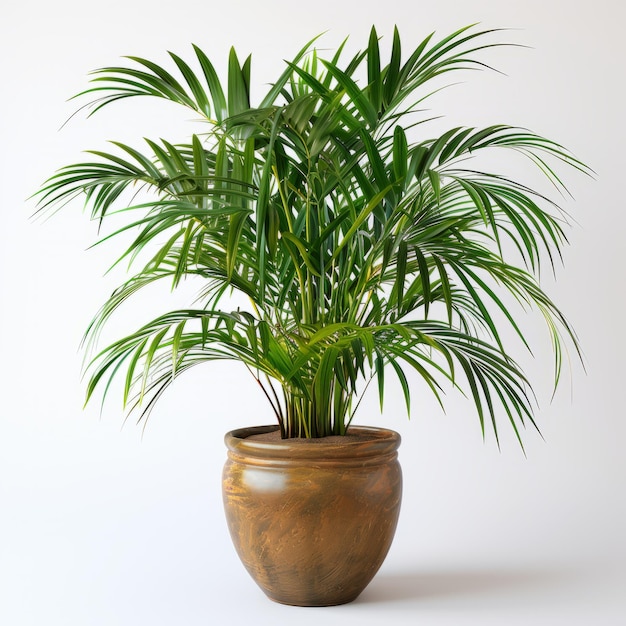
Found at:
(361, 250)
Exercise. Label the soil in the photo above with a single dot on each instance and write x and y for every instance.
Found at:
(274, 437)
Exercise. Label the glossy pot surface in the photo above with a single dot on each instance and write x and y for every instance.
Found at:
(312, 520)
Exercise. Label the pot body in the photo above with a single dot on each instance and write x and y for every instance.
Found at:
(312, 520)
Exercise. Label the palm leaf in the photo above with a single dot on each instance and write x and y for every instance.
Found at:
(360, 242)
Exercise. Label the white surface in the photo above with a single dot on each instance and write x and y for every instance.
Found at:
(101, 527)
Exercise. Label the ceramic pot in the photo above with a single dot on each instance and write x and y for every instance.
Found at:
(312, 519)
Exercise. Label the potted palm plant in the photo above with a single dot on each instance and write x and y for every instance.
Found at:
(361, 246)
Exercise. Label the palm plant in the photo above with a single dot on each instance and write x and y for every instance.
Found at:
(360, 249)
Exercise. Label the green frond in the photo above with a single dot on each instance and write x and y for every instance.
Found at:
(361, 243)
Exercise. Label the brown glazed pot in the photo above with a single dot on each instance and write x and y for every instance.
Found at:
(312, 520)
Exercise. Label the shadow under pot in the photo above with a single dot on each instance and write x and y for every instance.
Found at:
(312, 519)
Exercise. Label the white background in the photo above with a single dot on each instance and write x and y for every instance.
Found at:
(100, 525)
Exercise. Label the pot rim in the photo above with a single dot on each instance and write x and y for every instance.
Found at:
(377, 442)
